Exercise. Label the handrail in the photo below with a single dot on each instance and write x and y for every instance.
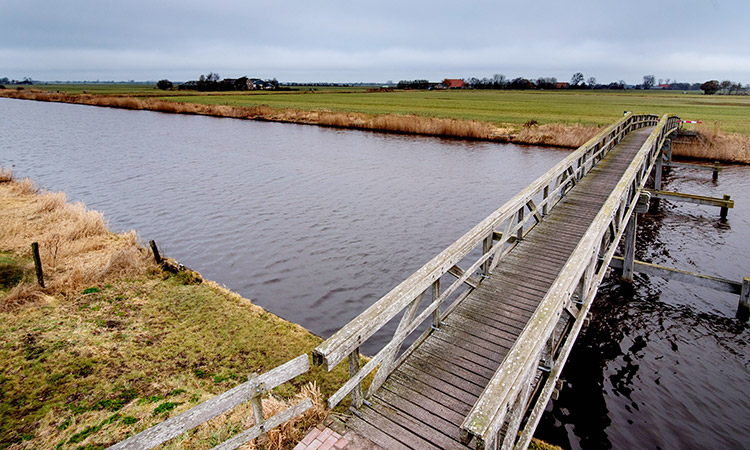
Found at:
(252, 390)
(497, 234)
(509, 385)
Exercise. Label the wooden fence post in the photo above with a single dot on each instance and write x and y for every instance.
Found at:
(157, 256)
(717, 167)
(37, 263)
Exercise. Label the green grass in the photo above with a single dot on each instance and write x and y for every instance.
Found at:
(134, 349)
(498, 107)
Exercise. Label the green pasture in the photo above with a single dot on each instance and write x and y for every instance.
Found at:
(732, 113)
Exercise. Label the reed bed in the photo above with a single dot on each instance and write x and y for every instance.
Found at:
(717, 145)
(75, 244)
(561, 135)
(713, 144)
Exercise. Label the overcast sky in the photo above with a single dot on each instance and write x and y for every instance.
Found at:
(345, 41)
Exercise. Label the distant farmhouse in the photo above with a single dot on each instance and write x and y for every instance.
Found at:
(450, 83)
(229, 84)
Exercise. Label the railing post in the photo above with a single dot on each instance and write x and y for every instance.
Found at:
(519, 233)
(357, 395)
(486, 247)
(257, 403)
(545, 195)
(435, 295)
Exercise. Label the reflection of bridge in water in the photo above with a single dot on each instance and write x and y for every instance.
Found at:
(503, 326)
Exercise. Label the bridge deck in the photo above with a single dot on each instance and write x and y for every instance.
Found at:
(425, 400)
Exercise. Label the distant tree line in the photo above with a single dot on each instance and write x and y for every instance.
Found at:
(579, 81)
(213, 82)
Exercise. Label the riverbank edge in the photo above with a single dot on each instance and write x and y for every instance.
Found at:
(550, 135)
(91, 359)
(715, 145)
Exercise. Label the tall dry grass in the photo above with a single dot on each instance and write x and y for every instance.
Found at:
(76, 247)
(713, 144)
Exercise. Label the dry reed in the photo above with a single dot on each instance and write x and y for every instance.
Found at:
(550, 134)
(76, 247)
(713, 144)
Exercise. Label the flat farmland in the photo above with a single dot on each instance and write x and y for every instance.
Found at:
(730, 113)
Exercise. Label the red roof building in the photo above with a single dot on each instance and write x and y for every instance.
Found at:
(454, 83)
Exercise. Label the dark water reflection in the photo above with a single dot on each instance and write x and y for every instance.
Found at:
(663, 364)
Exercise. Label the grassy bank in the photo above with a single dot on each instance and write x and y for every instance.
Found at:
(557, 118)
(114, 345)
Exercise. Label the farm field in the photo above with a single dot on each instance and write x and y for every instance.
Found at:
(729, 113)
(597, 108)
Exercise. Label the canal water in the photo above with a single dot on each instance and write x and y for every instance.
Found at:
(316, 224)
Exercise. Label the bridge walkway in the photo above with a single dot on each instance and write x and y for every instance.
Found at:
(425, 400)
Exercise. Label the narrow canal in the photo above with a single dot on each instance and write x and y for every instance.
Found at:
(316, 224)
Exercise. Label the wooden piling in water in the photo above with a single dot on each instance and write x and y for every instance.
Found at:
(724, 209)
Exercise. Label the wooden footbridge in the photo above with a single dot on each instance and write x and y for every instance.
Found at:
(500, 328)
(505, 305)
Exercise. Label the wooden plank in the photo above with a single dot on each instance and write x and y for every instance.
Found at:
(400, 426)
(276, 420)
(430, 425)
(440, 391)
(684, 276)
(423, 399)
(376, 435)
(213, 407)
(457, 353)
(691, 198)
(426, 361)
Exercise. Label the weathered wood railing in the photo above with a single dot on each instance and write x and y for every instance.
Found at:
(253, 390)
(497, 235)
(506, 398)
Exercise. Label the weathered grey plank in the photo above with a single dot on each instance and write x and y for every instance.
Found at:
(213, 407)
(276, 420)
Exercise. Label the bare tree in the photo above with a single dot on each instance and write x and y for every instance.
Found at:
(591, 82)
(576, 79)
(648, 81)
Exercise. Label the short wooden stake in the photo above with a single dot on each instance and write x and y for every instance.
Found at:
(724, 209)
(157, 256)
(743, 309)
(37, 263)
(717, 167)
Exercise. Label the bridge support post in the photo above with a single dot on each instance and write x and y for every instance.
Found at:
(743, 309)
(630, 234)
(724, 210)
(658, 171)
